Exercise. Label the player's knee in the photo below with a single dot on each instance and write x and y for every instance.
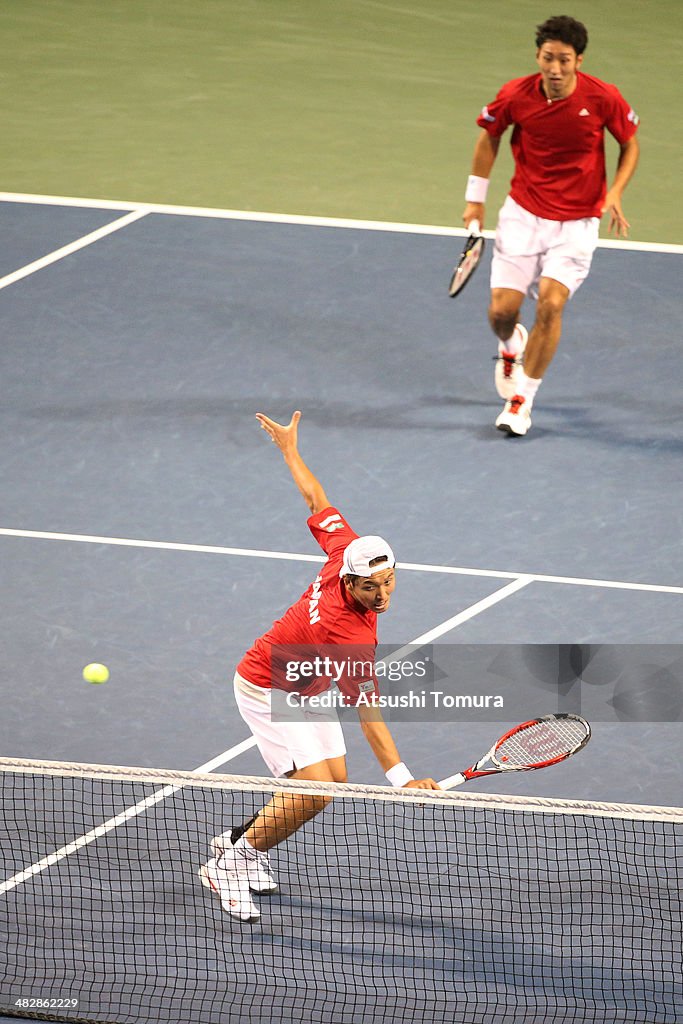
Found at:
(502, 320)
(338, 771)
(504, 310)
(550, 307)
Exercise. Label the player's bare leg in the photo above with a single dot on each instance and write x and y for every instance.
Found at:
(287, 812)
(545, 334)
(504, 311)
(544, 337)
(241, 865)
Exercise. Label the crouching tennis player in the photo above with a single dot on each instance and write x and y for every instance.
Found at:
(339, 608)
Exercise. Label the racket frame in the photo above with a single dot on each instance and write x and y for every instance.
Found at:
(476, 771)
(459, 278)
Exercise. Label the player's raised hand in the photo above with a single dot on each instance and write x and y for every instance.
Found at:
(285, 437)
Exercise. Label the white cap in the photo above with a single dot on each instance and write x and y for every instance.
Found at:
(363, 550)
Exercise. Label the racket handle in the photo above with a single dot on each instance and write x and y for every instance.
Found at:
(452, 781)
(474, 227)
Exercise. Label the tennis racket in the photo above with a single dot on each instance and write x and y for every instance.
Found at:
(535, 744)
(469, 261)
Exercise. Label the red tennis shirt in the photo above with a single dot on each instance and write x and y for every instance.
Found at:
(325, 621)
(559, 146)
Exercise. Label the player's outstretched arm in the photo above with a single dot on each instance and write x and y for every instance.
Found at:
(285, 437)
(383, 747)
(485, 153)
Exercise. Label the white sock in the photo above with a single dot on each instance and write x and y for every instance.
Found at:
(513, 344)
(245, 848)
(527, 387)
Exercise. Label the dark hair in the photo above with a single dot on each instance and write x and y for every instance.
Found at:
(350, 578)
(566, 29)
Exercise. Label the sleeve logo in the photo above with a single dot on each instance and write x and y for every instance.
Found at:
(332, 523)
(485, 114)
(633, 117)
(368, 687)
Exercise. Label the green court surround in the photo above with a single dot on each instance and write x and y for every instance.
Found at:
(354, 108)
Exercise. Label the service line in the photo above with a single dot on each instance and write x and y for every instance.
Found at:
(577, 581)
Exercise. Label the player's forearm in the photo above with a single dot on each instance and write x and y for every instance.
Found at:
(626, 165)
(383, 747)
(378, 736)
(485, 152)
(310, 487)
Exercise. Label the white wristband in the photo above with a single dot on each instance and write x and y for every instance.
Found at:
(399, 775)
(476, 189)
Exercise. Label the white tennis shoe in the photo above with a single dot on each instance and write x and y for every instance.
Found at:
(515, 418)
(509, 366)
(259, 871)
(231, 885)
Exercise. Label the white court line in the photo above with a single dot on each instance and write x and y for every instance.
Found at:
(67, 250)
(285, 218)
(163, 545)
(119, 819)
(239, 748)
(575, 581)
(463, 616)
(475, 609)
(295, 557)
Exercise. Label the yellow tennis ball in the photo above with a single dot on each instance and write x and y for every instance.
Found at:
(95, 673)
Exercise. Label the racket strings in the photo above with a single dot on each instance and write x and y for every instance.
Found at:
(541, 742)
(467, 265)
(470, 261)
(474, 253)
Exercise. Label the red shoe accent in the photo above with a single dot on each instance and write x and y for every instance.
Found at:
(508, 363)
(516, 403)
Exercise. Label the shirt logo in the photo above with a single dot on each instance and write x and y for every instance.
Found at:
(485, 114)
(313, 613)
(584, 113)
(332, 523)
(633, 117)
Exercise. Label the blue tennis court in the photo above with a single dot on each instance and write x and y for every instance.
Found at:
(133, 366)
(147, 524)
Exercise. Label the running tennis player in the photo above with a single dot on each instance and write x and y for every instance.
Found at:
(548, 226)
(338, 612)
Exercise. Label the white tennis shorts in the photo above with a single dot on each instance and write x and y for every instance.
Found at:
(310, 736)
(528, 248)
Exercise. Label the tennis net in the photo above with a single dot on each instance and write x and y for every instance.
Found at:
(391, 905)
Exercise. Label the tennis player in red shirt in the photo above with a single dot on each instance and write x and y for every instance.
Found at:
(337, 613)
(548, 226)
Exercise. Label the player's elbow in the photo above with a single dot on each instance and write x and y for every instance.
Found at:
(630, 150)
(317, 501)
